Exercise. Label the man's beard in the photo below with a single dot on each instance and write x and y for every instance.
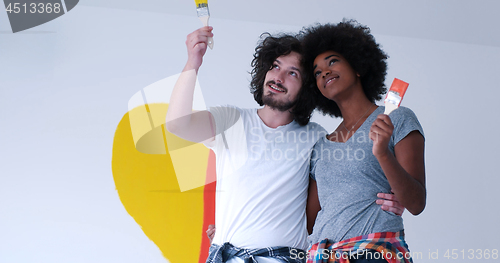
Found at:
(272, 103)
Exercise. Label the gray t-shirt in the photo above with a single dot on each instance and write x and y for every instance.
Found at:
(349, 177)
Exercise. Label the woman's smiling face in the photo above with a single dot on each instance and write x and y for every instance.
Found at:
(333, 74)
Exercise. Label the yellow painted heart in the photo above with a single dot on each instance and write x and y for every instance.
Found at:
(149, 189)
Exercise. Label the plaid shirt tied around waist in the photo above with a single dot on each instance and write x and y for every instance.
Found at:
(390, 245)
(220, 254)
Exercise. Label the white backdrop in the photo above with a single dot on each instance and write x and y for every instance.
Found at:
(65, 85)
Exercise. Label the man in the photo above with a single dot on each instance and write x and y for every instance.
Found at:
(262, 154)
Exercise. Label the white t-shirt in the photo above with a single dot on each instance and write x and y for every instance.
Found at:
(262, 179)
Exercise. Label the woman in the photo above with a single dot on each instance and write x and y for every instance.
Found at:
(369, 152)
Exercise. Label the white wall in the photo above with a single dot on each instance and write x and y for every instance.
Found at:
(65, 85)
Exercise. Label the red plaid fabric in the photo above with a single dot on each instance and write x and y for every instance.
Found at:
(390, 245)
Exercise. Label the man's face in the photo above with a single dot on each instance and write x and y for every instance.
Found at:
(283, 82)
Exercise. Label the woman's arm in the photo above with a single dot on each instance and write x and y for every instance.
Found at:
(313, 206)
(211, 232)
(405, 169)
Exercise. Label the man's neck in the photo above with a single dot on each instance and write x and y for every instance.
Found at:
(274, 118)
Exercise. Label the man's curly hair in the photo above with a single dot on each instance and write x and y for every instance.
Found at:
(357, 45)
(269, 49)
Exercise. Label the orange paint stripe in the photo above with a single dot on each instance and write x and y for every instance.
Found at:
(208, 206)
(163, 129)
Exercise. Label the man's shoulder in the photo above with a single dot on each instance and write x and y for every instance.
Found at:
(227, 108)
(313, 130)
(224, 107)
(313, 127)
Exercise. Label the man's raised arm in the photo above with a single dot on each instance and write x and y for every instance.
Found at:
(181, 120)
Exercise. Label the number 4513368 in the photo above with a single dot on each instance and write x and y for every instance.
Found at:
(471, 254)
(32, 8)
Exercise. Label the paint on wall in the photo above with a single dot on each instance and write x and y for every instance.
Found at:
(148, 187)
